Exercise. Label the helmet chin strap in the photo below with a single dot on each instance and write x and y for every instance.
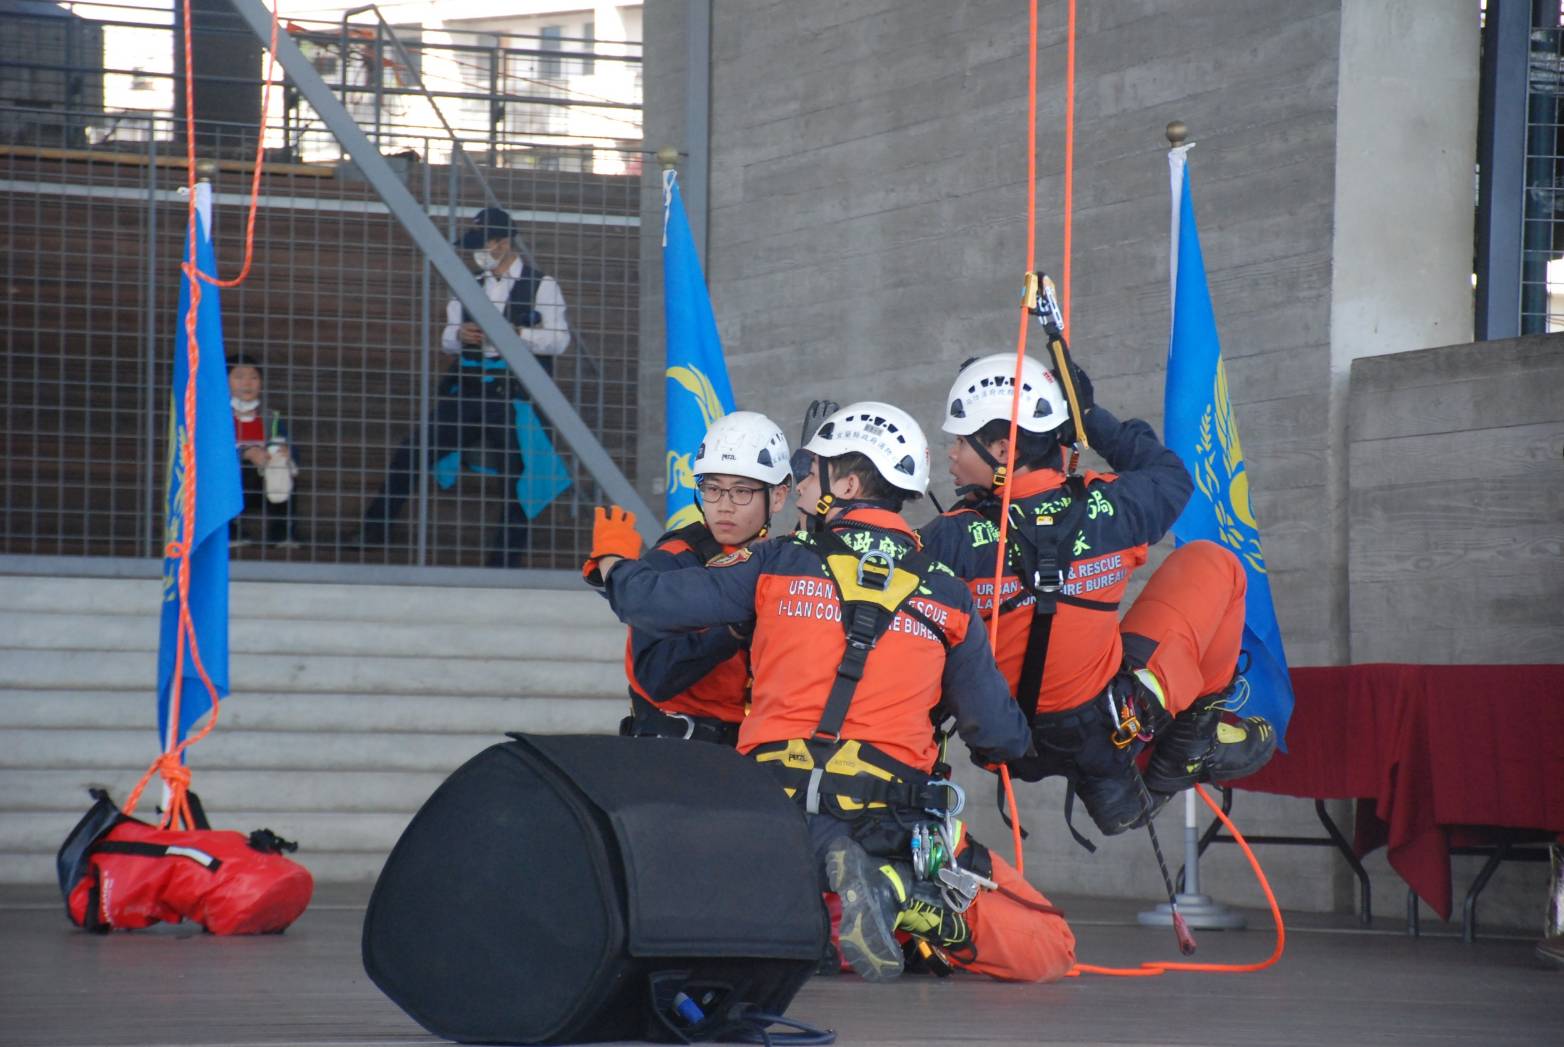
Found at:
(988, 460)
(966, 491)
(823, 505)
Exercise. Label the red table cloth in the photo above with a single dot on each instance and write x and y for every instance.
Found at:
(1430, 752)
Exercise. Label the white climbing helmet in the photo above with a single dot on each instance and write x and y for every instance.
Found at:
(744, 443)
(982, 392)
(886, 435)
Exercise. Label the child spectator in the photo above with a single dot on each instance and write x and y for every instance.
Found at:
(262, 446)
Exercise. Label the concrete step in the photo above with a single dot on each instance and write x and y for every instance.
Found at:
(32, 832)
(94, 750)
(599, 641)
(320, 673)
(325, 866)
(224, 789)
(398, 603)
(321, 713)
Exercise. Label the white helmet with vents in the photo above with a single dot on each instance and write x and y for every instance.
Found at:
(744, 443)
(983, 389)
(886, 435)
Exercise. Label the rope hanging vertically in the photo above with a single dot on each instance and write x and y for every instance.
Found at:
(170, 764)
(1150, 969)
(1015, 398)
(1069, 170)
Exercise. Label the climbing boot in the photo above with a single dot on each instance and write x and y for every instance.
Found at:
(869, 911)
(1198, 747)
(1241, 749)
(931, 919)
(1117, 802)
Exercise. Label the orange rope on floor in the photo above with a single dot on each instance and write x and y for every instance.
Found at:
(1155, 968)
(170, 765)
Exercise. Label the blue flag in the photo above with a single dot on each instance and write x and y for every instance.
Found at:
(218, 499)
(697, 387)
(1201, 427)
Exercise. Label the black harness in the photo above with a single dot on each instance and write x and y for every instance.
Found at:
(646, 720)
(1040, 553)
(1040, 550)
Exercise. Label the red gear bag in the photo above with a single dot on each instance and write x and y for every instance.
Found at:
(119, 873)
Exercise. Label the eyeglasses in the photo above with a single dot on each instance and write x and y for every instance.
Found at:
(711, 494)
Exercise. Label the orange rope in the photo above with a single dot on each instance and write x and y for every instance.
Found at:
(1154, 968)
(1069, 166)
(170, 765)
(1015, 399)
(260, 154)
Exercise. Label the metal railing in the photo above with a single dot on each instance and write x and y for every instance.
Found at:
(342, 311)
(1542, 238)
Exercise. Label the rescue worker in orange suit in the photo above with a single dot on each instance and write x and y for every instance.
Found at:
(696, 685)
(858, 637)
(1097, 689)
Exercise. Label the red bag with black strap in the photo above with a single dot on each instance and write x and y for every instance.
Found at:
(119, 873)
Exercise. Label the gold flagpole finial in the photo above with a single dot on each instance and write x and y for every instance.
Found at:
(1177, 133)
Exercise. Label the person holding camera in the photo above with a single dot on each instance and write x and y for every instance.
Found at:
(475, 412)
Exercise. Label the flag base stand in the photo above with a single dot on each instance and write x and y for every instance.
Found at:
(1199, 911)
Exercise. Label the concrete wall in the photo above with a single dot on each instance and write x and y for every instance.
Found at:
(1457, 504)
(867, 227)
(867, 233)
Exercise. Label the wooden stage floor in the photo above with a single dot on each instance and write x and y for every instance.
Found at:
(1337, 984)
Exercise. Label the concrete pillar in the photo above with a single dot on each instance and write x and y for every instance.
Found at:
(1401, 257)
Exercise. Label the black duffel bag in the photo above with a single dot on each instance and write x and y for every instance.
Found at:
(569, 889)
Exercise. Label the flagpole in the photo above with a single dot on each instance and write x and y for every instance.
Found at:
(1199, 910)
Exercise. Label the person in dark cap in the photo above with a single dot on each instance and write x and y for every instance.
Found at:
(475, 412)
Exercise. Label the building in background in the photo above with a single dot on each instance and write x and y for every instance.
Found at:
(525, 83)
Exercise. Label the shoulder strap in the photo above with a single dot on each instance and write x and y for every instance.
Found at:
(698, 537)
(872, 587)
(147, 849)
(1043, 562)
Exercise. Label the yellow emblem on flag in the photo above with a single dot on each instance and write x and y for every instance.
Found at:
(700, 387)
(680, 475)
(681, 478)
(1228, 491)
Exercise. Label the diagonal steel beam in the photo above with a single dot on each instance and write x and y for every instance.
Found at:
(540, 387)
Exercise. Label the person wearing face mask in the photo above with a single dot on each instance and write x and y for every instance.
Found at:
(475, 412)
(268, 463)
(696, 685)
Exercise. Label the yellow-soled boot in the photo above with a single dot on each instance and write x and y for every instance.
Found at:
(869, 910)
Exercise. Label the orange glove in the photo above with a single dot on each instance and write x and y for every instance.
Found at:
(613, 534)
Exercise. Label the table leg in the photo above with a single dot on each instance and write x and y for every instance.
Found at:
(1413, 928)
(1366, 914)
(1469, 908)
